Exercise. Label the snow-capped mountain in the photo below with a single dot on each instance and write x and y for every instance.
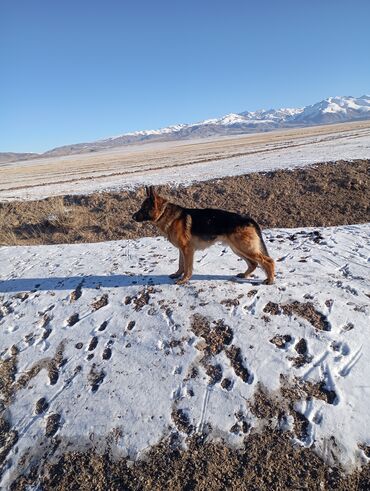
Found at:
(336, 109)
(330, 110)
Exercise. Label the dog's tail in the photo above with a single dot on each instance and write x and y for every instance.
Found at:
(262, 242)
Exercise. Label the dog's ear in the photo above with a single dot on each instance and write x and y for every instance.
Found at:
(150, 191)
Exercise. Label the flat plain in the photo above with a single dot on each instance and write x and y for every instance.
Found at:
(182, 161)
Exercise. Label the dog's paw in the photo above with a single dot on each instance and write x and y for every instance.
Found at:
(268, 282)
(182, 281)
(241, 275)
(175, 275)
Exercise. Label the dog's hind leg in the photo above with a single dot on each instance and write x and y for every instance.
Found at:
(188, 258)
(252, 265)
(180, 271)
(268, 265)
(248, 246)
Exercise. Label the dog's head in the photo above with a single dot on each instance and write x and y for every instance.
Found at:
(151, 207)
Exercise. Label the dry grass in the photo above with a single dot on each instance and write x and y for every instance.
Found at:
(57, 220)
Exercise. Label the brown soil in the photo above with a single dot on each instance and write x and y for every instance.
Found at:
(267, 462)
(100, 303)
(140, 300)
(95, 378)
(8, 371)
(236, 360)
(8, 438)
(321, 195)
(281, 341)
(216, 336)
(52, 424)
(305, 310)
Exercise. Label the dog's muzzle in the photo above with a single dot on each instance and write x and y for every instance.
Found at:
(138, 216)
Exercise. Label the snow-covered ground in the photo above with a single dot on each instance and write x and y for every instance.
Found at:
(107, 347)
(182, 162)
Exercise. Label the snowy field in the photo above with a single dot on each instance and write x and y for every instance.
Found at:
(183, 162)
(108, 349)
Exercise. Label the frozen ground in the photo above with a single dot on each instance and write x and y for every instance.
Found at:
(106, 348)
(183, 162)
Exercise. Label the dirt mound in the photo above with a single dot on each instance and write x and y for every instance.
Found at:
(321, 195)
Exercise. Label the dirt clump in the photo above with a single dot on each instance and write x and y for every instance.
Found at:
(319, 390)
(305, 310)
(281, 341)
(41, 405)
(101, 302)
(214, 373)
(182, 421)
(141, 299)
(95, 378)
(216, 336)
(8, 371)
(76, 294)
(52, 424)
(301, 347)
(73, 319)
(230, 302)
(235, 356)
(8, 438)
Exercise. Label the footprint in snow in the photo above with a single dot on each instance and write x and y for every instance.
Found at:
(107, 353)
(73, 319)
(93, 343)
(101, 302)
(130, 325)
(41, 406)
(52, 424)
(96, 378)
(103, 326)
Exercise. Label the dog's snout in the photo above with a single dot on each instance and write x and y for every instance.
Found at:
(138, 216)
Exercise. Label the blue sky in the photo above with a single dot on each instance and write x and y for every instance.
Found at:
(73, 71)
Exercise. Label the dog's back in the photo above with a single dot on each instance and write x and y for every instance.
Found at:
(209, 224)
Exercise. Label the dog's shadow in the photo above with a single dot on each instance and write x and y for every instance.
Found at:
(14, 285)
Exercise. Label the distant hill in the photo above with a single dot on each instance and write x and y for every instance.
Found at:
(13, 157)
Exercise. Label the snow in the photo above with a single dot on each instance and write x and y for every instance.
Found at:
(146, 325)
(162, 131)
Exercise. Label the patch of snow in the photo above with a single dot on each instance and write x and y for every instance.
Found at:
(129, 347)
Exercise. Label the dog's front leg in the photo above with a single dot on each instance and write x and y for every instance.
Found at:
(188, 257)
(180, 271)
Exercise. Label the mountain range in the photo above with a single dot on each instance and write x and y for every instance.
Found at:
(331, 110)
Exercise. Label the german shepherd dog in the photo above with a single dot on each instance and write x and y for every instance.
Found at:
(193, 229)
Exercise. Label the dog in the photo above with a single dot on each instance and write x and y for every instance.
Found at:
(191, 229)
